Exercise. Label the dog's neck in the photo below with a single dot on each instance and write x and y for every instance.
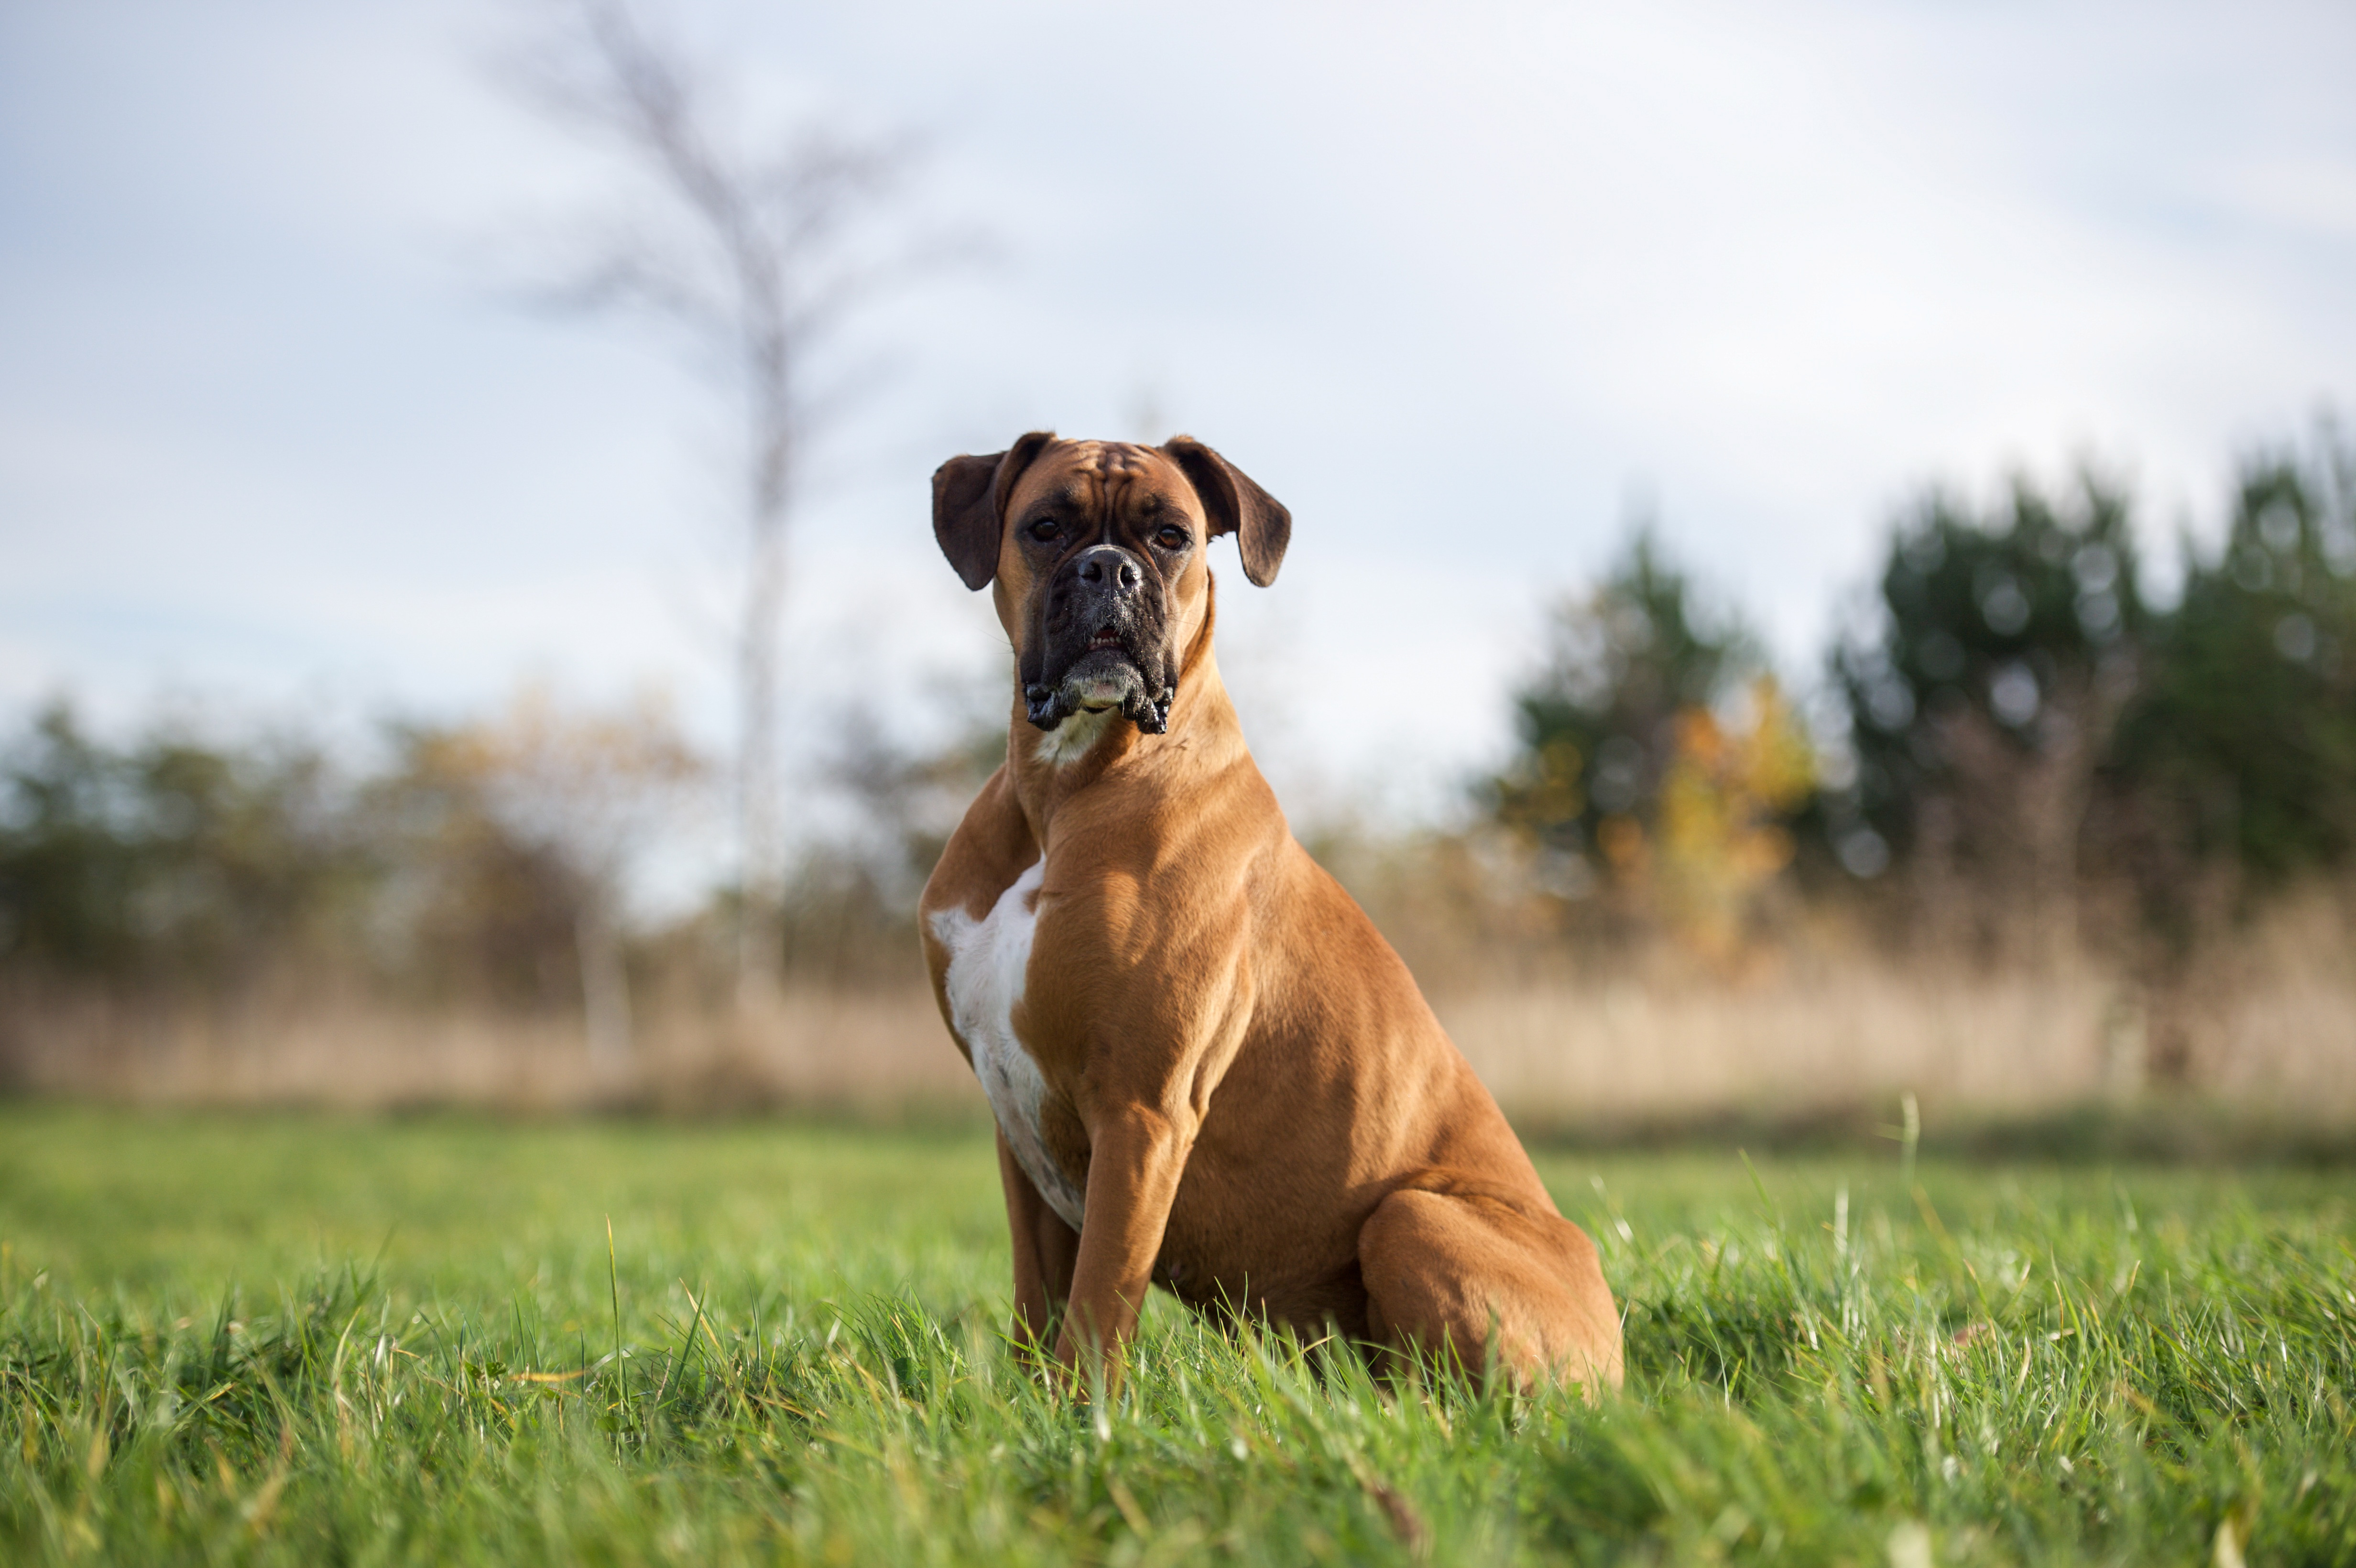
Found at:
(1051, 767)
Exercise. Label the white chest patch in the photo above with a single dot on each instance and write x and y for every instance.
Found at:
(989, 959)
(1069, 742)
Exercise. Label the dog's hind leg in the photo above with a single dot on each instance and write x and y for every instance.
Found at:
(1466, 1277)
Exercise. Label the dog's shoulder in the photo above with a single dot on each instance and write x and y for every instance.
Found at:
(990, 848)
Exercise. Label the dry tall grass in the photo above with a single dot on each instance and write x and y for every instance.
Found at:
(2267, 1022)
(1986, 1046)
(807, 1048)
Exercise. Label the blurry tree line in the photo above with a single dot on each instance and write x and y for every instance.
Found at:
(2015, 758)
(482, 865)
(2021, 758)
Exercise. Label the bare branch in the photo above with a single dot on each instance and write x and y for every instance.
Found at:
(754, 254)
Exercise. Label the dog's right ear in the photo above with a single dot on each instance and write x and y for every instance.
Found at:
(969, 505)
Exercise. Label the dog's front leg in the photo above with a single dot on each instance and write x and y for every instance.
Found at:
(1137, 1155)
(1045, 1248)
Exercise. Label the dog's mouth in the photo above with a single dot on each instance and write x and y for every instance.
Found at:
(1104, 676)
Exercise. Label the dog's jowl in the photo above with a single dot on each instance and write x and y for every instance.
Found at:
(1209, 1071)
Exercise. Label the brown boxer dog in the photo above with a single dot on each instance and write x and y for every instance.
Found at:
(1209, 1071)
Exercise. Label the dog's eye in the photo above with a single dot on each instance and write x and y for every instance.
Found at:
(1170, 536)
(1045, 528)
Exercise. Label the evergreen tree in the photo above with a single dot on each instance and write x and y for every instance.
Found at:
(1985, 699)
(2247, 745)
(1597, 720)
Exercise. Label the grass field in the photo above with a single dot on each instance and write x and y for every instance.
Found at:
(316, 1341)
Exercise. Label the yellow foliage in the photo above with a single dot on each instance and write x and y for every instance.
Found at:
(1555, 794)
(1720, 837)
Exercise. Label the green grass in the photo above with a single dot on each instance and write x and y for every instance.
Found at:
(315, 1341)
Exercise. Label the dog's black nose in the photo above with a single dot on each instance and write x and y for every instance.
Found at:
(1109, 568)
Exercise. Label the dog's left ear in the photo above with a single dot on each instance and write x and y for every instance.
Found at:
(1236, 505)
(969, 502)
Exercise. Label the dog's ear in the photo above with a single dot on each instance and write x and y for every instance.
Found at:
(1236, 505)
(970, 504)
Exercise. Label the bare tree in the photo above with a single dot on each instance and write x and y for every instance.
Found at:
(751, 252)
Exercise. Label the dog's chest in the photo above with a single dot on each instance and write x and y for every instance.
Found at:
(988, 961)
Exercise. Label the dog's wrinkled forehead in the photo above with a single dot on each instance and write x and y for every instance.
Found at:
(1097, 480)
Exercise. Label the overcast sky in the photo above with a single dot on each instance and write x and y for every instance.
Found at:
(1465, 285)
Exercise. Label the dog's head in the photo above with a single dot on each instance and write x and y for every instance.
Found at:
(1095, 550)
